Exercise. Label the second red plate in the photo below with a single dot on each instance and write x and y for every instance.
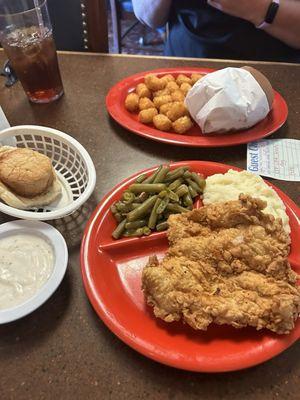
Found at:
(112, 269)
(194, 138)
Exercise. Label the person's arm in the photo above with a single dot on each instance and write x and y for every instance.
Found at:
(286, 25)
(153, 13)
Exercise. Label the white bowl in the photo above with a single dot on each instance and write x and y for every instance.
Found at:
(60, 250)
(72, 163)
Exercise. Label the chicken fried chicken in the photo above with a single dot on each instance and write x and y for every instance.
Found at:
(227, 264)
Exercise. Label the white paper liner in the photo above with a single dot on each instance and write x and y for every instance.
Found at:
(227, 100)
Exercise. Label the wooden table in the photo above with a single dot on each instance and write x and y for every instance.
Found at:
(63, 350)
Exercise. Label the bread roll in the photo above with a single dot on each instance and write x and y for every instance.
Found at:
(264, 83)
(28, 173)
(27, 179)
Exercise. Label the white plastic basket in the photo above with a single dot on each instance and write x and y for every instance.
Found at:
(72, 163)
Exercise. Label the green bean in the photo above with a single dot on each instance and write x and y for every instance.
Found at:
(176, 173)
(162, 226)
(134, 205)
(151, 178)
(200, 181)
(113, 208)
(118, 217)
(146, 231)
(128, 197)
(151, 199)
(141, 197)
(135, 224)
(123, 208)
(193, 192)
(182, 190)
(161, 208)
(134, 233)
(194, 185)
(119, 230)
(141, 178)
(163, 194)
(153, 215)
(187, 200)
(147, 187)
(176, 208)
(161, 175)
(174, 185)
(187, 174)
(142, 210)
(175, 170)
(119, 205)
(173, 196)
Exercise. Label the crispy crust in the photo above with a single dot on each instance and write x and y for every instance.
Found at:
(227, 264)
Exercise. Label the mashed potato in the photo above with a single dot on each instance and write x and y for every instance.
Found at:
(224, 187)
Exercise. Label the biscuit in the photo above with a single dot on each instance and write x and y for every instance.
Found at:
(26, 172)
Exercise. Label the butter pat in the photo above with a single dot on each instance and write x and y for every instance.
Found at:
(227, 100)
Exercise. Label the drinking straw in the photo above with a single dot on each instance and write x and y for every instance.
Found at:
(39, 14)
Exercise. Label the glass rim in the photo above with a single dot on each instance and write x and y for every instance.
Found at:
(42, 3)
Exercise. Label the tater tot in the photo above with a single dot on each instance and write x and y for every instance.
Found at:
(162, 122)
(168, 78)
(195, 78)
(132, 102)
(177, 95)
(183, 124)
(154, 83)
(159, 101)
(177, 110)
(146, 116)
(161, 92)
(142, 91)
(163, 109)
(182, 79)
(185, 87)
(172, 86)
(145, 103)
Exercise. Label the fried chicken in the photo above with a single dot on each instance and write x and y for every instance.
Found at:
(227, 264)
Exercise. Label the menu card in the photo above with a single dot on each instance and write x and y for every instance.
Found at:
(276, 158)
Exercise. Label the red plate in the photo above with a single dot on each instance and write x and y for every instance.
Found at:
(194, 138)
(111, 273)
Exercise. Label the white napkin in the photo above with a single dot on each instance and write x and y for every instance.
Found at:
(226, 100)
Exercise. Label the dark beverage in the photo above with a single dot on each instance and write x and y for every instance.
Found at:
(33, 56)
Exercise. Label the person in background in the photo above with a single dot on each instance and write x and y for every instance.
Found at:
(231, 29)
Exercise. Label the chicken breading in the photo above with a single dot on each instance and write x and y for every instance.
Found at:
(227, 264)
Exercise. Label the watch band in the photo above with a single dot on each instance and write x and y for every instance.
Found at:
(270, 15)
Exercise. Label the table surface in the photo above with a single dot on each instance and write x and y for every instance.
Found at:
(63, 350)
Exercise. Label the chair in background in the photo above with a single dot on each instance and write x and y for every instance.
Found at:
(79, 25)
(118, 9)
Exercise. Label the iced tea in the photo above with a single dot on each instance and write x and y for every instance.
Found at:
(32, 54)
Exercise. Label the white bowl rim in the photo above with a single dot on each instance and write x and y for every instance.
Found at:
(60, 249)
(62, 212)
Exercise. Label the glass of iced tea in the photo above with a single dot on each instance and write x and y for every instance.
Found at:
(26, 36)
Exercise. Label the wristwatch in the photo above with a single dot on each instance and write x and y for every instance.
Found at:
(270, 15)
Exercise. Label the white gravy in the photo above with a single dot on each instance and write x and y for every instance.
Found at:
(26, 263)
